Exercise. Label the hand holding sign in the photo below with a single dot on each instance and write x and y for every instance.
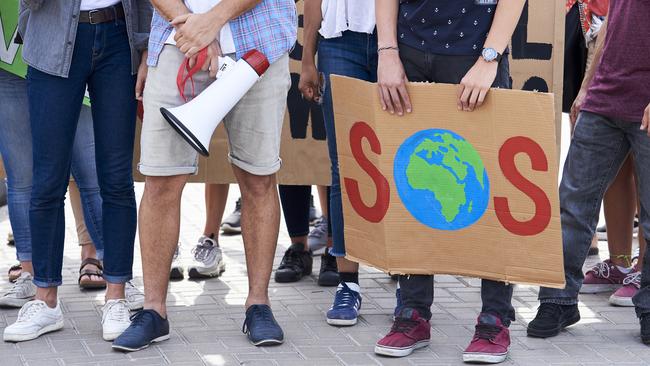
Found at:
(391, 80)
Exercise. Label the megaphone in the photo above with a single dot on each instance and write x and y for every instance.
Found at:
(196, 120)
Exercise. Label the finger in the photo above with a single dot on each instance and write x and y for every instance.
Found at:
(181, 19)
(139, 86)
(459, 93)
(214, 66)
(192, 51)
(389, 102)
(397, 102)
(404, 94)
(473, 99)
(481, 97)
(464, 98)
(381, 97)
(191, 62)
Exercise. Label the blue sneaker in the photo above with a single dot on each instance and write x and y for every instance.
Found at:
(261, 328)
(347, 303)
(398, 303)
(147, 327)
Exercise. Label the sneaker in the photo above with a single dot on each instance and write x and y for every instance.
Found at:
(232, 223)
(551, 319)
(208, 259)
(645, 328)
(491, 341)
(22, 292)
(623, 296)
(314, 213)
(317, 238)
(347, 303)
(35, 318)
(176, 272)
(296, 263)
(409, 332)
(601, 232)
(603, 277)
(10, 240)
(147, 327)
(329, 273)
(115, 318)
(134, 297)
(261, 328)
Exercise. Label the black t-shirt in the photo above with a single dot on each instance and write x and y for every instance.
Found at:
(447, 27)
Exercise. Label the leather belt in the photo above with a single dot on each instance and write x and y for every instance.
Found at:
(98, 16)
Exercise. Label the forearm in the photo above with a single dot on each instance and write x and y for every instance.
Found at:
(230, 9)
(591, 71)
(505, 21)
(386, 14)
(312, 18)
(170, 9)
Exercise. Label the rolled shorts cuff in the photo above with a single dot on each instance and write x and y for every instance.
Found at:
(255, 169)
(559, 301)
(24, 257)
(119, 279)
(46, 283)
(153, 171)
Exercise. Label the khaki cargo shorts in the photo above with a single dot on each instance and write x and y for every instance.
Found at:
(254, 126)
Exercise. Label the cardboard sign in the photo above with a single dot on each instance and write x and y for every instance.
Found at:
(444, 191)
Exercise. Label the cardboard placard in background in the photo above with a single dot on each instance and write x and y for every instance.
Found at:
(422, 191)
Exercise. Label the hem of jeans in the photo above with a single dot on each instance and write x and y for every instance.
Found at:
(46, 283)
(121, 279)
(559, 301)
(336, 254)
(152, 171)
(256, 170)
(24, 257)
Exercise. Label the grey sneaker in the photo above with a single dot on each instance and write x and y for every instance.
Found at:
(208, 259)
(134, 297)
(317, 238)
(176, 272)
(22, 292)
(232, 223)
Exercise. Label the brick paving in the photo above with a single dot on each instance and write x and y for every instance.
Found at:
(207, 316)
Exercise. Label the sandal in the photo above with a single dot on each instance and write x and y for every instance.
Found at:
(15, 272)
(85, 275)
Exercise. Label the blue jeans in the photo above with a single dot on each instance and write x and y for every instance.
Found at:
(354, 55)
(16, 151)
(598, 149)
(101, 60)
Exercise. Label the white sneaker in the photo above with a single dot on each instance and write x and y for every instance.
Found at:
(34, 319)
(115, 318)
(134, 296)
(208, 259)
(317, 238)
(176, 272)
(22, 292)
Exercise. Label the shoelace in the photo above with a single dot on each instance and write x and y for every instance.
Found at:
(29, 310)
(291, 260)
(262, 315)
(19, 287)
(345, 298)
(320, 230)
(204, 250)
(138, 319)
(486, 331)
(328, 263)
(403, 325)
(131, 291)
(548, 310)
(601, 269)
(238, 205)
(119, 315)
(633, 279)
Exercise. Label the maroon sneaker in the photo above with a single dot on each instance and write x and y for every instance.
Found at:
(409, 332)
(490, 342)
(603, 277)
(631, 285)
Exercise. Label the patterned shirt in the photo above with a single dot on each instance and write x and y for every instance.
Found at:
(444, 27)
(270, 27)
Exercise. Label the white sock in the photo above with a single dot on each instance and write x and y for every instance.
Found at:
(624, 269)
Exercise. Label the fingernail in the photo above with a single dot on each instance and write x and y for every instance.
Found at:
(408, 110)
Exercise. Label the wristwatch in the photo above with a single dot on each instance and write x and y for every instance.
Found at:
(490, 54)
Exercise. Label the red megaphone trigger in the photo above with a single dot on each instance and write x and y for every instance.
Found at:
(181, 78)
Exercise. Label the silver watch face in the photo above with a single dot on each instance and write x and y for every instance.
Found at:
(489, 54)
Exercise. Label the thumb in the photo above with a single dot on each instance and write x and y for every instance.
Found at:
(181, 19)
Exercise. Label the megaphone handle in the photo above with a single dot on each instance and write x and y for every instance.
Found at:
(181, 79)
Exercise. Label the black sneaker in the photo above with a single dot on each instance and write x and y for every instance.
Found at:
(314, 213)
(551, 319)
(645, 328)
(296, 264)
(232, 223)
(329, 272)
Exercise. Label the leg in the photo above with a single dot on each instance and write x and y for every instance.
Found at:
(85, 242)
(216, 196)
(497, 297)
(295, 206)
(323, 198)
(620, 207)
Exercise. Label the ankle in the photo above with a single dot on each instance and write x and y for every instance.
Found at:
(114, 291)
(161, 309)
(250, 301)
(48, 296)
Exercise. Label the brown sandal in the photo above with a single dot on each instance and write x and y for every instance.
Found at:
(85, 275)
(17, 271)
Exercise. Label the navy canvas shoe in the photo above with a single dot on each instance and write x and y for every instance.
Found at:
(147, 327)
(347, 302)
(261, 328)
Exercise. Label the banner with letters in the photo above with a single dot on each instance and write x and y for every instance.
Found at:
(445, 191)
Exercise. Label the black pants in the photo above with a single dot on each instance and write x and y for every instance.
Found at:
(417, 290)
(295, 202)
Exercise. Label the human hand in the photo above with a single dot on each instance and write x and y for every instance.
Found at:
(142, 76)
(309, 84)
(645, 123)
(391, 82)
(195, 32)
(475, 85)
(576, 107)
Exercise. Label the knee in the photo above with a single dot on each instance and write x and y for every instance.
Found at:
(164, 189)
(257, 185)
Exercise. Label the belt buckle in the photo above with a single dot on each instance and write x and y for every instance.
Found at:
(90, 16)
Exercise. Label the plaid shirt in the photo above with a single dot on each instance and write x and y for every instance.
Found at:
(270, 27)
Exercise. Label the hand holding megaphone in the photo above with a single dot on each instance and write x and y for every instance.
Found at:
(196, 120)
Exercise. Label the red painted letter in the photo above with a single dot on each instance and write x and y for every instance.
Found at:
(538, 160)
(376, 212)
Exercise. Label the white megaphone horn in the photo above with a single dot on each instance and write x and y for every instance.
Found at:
(196, 120)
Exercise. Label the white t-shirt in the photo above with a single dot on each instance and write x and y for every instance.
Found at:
(342, 15)
(96, 4)
(203, 6)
